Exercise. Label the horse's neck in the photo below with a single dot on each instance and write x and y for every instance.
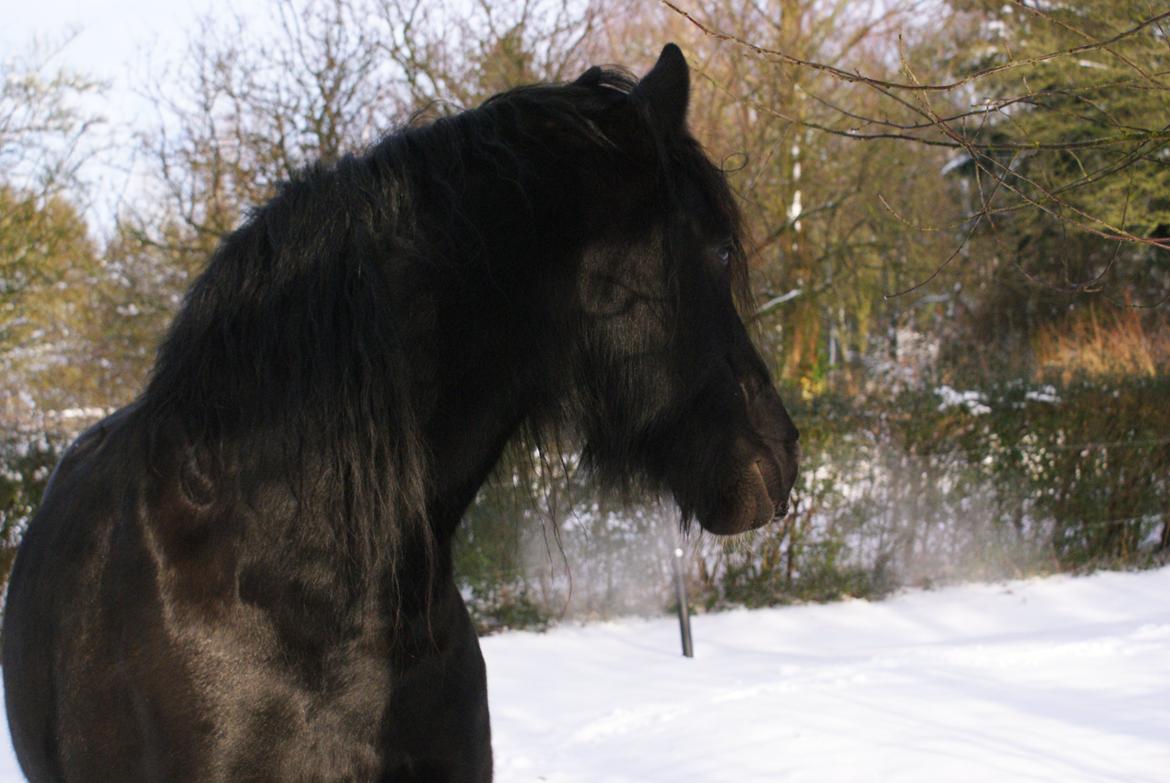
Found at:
(489, 382)
(479, 403)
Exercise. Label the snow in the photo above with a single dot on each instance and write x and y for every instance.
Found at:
(1046, 393)
(1061, 679)
(975, 402)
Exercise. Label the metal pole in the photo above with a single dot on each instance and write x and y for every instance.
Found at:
(684, 615)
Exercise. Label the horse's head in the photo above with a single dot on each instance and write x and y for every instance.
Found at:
(674, 387)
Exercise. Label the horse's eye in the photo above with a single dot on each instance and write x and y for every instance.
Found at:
(724, 255)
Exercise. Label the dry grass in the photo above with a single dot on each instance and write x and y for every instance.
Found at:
(1100, 344)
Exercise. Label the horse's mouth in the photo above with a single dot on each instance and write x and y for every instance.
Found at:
(777, 487)
(778, 514)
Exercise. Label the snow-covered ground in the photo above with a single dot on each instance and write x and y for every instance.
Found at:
(1063, 679)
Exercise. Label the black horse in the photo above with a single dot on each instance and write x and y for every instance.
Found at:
(246, 574)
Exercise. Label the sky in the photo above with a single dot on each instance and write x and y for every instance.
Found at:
(120, 42)
(112, 36)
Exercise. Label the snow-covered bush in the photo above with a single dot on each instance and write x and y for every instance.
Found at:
(926, 486)
(26, 460)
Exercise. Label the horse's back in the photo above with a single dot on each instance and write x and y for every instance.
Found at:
(157, 629)
(96, 684)
(51, 622)
(115, 660)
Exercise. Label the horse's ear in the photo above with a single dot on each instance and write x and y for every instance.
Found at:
(666, 89)
(591, 77)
